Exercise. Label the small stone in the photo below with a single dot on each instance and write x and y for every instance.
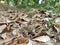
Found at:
(14, 32)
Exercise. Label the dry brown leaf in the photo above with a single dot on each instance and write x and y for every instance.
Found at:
(22, 44)
(21, 40)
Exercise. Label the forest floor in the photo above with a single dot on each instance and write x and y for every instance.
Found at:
(28, 27)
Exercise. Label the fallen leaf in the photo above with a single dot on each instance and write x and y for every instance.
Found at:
(42, 38)
(57, 20)
(4, 36)
(35, 43)
(57, 27)
(2, 28)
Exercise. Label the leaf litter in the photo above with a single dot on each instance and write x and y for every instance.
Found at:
(28, 27)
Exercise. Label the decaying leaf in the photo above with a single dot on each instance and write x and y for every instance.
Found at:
(57, 20)
(22, 40)
(35, 43)
(42, 38)
(4, 36)
(57, 24)
(51, 42)
(2, 27)
(57, 27)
